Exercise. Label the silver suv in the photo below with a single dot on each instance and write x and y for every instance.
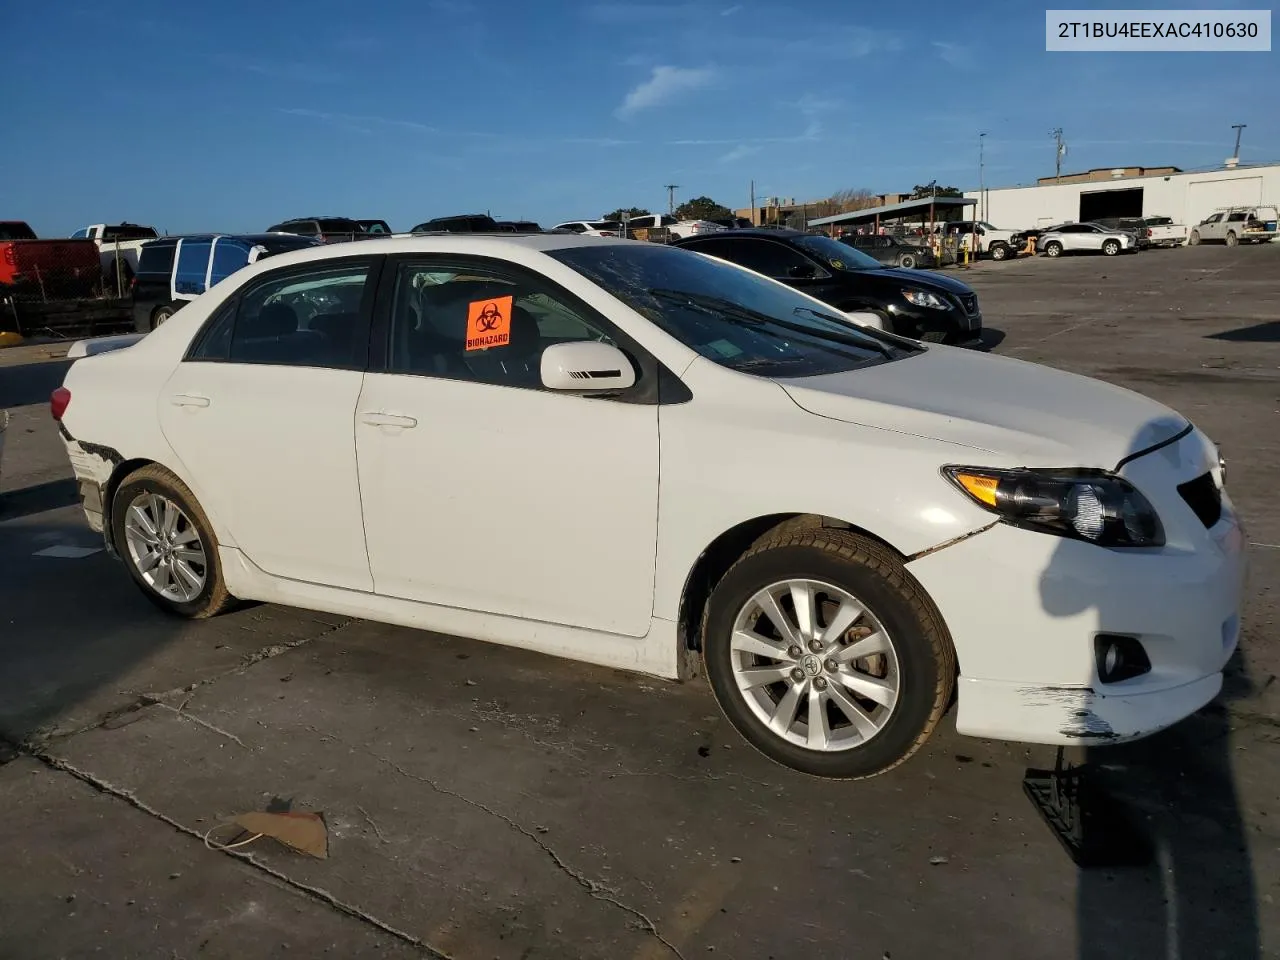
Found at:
(1079, 237)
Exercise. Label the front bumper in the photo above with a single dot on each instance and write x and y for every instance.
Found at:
(1024, 608)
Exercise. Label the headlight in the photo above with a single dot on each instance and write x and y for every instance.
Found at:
(923, 298)
(1081, 504)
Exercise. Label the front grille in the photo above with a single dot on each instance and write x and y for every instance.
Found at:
(1203, 497)
(970, 303)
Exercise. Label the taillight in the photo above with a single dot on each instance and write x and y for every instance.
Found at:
(59, 401)
(11, 255)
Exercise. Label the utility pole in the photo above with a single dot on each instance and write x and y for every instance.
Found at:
(671, 197)
(982, 176)
(1059, 148)
(1237, 127)
(753, 204)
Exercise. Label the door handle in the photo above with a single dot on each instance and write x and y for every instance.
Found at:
(189, 400)
(377, 419)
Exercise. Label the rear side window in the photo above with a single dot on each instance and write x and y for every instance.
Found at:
(128, 232)
(308, 318)
(1236, 217)
(340, 226)
(156, 258)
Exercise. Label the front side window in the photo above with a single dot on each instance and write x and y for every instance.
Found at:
(763, 256)
(81, 234)
(732, 316)
(1215, 218)
(304, 318)
(465, 322)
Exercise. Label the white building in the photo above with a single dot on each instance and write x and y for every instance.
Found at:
(1129, 192)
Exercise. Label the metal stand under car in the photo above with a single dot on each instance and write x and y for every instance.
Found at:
(1093, 827)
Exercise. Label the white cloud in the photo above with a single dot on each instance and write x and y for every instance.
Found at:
(740, 152)
(665, 84)
(954, 54)
(730, 11)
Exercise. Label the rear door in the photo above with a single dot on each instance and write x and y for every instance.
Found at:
(261, 414)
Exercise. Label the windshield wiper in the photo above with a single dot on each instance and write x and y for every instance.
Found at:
(846, 322)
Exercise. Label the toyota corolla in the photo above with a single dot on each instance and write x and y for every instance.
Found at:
(648, 459)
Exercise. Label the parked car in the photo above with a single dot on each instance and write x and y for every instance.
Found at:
(912, 303)
(891, 251)
(1085, 237)
(733, 223)
(324, 229)
(677, 227)
(983, 239)
(118, 248)
(175, 270)
(591, 228)
(375, 228)
(840, 526)
(1236, 225)
(47, 269)
(462, 223)
(518, 226)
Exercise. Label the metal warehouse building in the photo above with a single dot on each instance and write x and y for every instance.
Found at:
(1187, 197)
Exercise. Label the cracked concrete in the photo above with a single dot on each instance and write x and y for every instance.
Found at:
(488, 803)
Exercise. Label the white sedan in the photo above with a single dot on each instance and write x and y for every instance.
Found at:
(645, 458)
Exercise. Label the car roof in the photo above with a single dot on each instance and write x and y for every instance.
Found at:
(771, 234)
(474, 244)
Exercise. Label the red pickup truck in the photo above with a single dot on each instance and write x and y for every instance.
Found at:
(46, 269)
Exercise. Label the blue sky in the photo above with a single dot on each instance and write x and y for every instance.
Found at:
(231, 116)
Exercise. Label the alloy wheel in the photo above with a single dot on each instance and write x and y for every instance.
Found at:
(815, 665)
(165, 547)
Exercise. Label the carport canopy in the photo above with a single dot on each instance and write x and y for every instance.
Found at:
(894, 211)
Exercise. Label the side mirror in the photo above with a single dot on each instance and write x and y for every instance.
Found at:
(586, 367)
(801, 271)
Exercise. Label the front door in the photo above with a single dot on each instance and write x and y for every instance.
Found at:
(482, 490)
(261, 414)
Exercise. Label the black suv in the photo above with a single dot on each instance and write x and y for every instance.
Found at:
(175, 270)
(913, 303)
(324, 229)
(891, 251)
(465, 223)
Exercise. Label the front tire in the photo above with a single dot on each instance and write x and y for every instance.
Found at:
(165, 540)
(1053, 249)
(1111, 248)
(999, 252)
(907, 261)
(826, 654)
(1193, 239)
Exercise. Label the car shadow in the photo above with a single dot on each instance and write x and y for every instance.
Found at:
(28, 383)
(38, 498)
(1175, 795)
(1268, 332)
(991, 338)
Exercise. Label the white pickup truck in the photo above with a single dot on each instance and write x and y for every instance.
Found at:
(1163, 232)
(119, 246)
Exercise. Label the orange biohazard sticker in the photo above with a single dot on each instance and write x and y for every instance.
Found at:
(489, 323)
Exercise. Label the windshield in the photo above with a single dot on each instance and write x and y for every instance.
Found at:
(604, 225)
(129, 232)
(276, 245)
(729, 315)
(339, 226)
(837, 255)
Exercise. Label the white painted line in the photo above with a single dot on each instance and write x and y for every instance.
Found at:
(1273, 546)
(64, 552)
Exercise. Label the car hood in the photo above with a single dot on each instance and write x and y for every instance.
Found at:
(925, 279)
(1026, 413)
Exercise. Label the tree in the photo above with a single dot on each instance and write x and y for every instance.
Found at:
(626, 213)
(702, 208)
(845, 201)
(924, 191)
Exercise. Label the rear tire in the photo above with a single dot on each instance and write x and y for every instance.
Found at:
(833, 694)
(1053, 249)
(160, 315)
(164, 538)
(1232, 239)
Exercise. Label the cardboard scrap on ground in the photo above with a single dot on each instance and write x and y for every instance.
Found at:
(302, 830)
